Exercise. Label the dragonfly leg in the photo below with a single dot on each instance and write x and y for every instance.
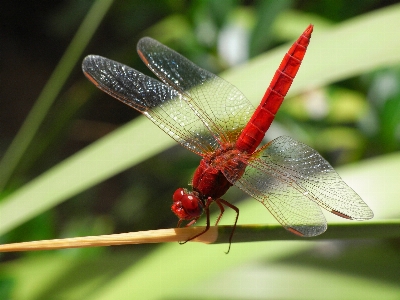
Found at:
(188, 224)
(207, 211)
(179, 223)
(222, 209)
(191, 222)
(220, 203)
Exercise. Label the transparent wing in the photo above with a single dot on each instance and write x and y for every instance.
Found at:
(162, 104)
(290, 178)
(285, 201)
(221, 107)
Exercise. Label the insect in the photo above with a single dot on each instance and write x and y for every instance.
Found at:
(212, 118)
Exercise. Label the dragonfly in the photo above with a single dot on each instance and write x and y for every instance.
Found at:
(213, 119)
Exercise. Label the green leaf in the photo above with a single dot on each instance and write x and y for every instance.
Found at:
(51, 90)
(347, 50)
(173, 271)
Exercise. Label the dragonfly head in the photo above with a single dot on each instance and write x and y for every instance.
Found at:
(186, 205)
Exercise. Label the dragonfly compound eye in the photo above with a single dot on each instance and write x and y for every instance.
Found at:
(186, 206)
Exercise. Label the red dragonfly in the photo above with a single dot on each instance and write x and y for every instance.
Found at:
(212, 118)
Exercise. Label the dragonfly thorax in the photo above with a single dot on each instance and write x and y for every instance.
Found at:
(216, 173)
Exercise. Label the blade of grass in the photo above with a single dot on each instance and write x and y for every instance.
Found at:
(348, 49)
(88, 167)
(375, 177)
(348, 230)
(215, 235)
(55, 129)
(51, 90)
(117, 152)
(151, 277)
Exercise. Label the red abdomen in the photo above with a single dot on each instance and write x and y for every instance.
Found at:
(262, 118)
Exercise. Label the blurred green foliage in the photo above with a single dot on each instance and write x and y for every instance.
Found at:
(348, 121)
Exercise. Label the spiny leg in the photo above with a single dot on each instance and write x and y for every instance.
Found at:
(222, 209)
(220, 202)
(207, 211)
